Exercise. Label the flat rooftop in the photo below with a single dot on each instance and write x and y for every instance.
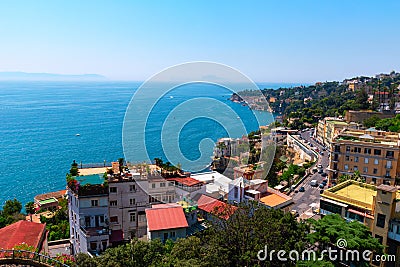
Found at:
(273, 200)
(90, 171)
(357, 192)
(90, 179)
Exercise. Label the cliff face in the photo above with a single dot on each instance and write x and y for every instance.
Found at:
(236, 98)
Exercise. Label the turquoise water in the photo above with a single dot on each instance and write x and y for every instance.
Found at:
(40, 120)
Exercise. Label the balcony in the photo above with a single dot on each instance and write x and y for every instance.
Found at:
(388, 167)
(95, 231)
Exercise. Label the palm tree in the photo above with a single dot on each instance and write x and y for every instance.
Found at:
(30, 208)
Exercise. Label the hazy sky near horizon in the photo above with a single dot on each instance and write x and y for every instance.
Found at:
(270, 41)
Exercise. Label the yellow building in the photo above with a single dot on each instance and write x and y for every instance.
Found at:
(373, 153)
(329, 127)
(377, 207)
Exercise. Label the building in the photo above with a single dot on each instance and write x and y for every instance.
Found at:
(158, 188)
(31, 233)
(241, 190)
(248, 172)
(49, 200)
(373, 153)
(166, 221)
(377, 207)
(329, 127)
(88, 216)
(217, 184)
(212, 209)
(127, 204)
(360, 116)
(187, 187)
(304, 151)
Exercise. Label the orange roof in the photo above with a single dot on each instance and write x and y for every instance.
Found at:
(272, 200)
(165, 216)
(57, 194)
(30, 233)
(215, 206)
(188, 181)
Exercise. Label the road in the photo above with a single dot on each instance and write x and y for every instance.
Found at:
(303, 200)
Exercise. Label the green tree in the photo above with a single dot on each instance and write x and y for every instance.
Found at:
(12, 207)
(30, 208)
(74, 171)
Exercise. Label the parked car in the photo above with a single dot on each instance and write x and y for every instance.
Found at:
(319, 166)
(324, 174)
(321, 186)
(321, 153)
(302, 189)
(314, 183)
(321, 191)
(314, 170)
(320, 171)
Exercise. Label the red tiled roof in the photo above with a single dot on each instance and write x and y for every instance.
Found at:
(212, 205)
(27, 232)
(188, 181)
(165, 216)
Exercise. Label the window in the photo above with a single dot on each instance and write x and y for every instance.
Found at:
(387, 175)
(330, 207)
(132, 201)
(113, 203)
(347, 158)
(93, 245)
(101, 217)
(380, 221)
(132, 187)
(347, 148)
(346, 167)
(355, 159)
(87, 221)
(377, 152)
(398, 230)
(366, 160)
(376, 161)
(365, 169)
(355, 168)
(357, 149)
(170, 184)
(337, 148)
(114, 219)
(375, 171)
(236, 192)
(389, 154)
(172, 234)
(132, 217)
(153, 185)
(374, 180)
(162, 184)
(367, 150)
(388, 164)
(95, 202)
(113, 190)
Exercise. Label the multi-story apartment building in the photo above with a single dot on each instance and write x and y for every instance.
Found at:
(127, 204)
(329, 127)
(378, 207)
(373, 153)
(88, 217)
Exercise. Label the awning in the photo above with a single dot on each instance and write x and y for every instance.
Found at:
(116, 236)
(334, 202)
(360, 213)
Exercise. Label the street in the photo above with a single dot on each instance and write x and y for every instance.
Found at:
(304, 200)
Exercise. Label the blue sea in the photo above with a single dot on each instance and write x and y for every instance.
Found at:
(39, 123)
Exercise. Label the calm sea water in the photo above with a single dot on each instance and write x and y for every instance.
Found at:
(39, 122)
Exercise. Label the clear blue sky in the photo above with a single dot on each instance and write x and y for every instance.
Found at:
(270, 41)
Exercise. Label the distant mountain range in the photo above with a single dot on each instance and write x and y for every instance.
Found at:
(26, 76)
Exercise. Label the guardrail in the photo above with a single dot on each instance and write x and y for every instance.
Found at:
(11, 256)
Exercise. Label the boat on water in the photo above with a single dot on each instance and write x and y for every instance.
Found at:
(77, 134)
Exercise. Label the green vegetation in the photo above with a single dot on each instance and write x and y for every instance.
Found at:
(356, 176)
(303, 106)
(237, 241)
(58, 225)
(327, 231)
(389, 124)
(11, 212)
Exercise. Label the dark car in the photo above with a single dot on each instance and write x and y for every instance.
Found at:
(321, 191)
(321, 186)
(324, 174)
(302, 189)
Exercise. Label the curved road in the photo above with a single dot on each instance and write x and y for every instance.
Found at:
(303, 200)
